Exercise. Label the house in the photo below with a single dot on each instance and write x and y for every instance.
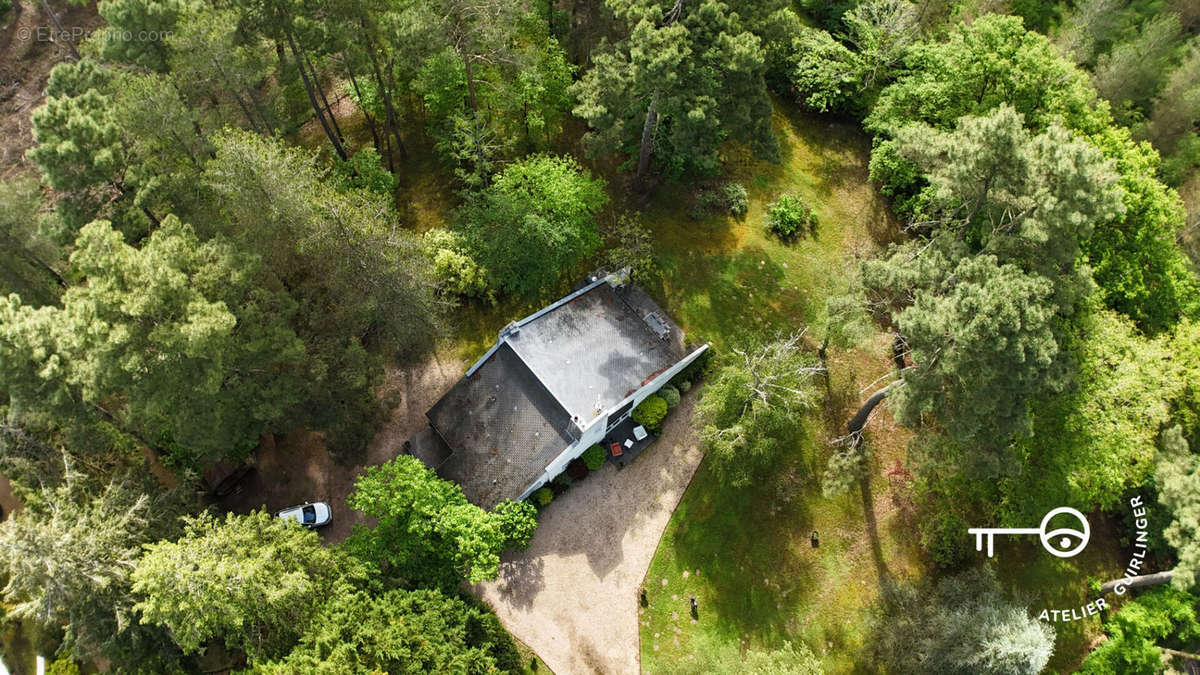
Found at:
(554, 384)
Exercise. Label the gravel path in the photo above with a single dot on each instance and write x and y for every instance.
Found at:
(572, 595)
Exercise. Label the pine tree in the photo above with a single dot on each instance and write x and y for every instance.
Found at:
(684, 79)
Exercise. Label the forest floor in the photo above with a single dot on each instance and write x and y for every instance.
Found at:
(572, 596)
(27, 56)
(299, 469)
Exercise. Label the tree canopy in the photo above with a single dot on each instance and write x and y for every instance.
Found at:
(253, 582)
(533, 223)
(753, 408)
(680, 81)
(400, 631)
(428, 534)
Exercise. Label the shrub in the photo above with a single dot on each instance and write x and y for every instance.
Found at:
(670, 395)
(61, 666)
(684, 386)
(454, 270)
(789, 217)
(730, 198)
(706, 202)
(941, 537)
(593, 457)
(650, 413)
(736, 199)
(364, 170)
(543, 496)
(692, 371)
(577, 469)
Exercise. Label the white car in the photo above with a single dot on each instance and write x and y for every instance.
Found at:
(313, 514)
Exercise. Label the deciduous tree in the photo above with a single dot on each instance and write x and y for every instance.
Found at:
(753, 407)
(428, 534)
(533, 223)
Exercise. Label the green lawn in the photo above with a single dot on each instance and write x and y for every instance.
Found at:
(745, 554)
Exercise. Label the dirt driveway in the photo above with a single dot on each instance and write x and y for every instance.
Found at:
(572, 595)
(298, 469)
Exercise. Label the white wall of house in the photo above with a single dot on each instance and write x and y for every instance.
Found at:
(594, 432)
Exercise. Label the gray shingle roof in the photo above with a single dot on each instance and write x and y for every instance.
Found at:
(503, 428)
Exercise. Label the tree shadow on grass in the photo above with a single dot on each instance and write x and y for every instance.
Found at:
(868, 502)
(743, 541)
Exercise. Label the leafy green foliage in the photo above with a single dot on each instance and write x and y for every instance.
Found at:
(1132, 71)
(534, 222)
(750, 412)
(359, 281)
(789, 217)
(29, 257)
(1095, 442)
(401, 631)
(736, 199)
(630, 245)
(453, 268)
(78, 142)
(428, 534)
(960, 625)
(698, 70)
(990, 62)
(253, 582)
(593, 457)
(364, 171)
(1163, 616)
(138, 30)
(543, 496)
(155, 328)
(994, 61)
(824, 73)
(1177, 473)
(669, 394)
(1136, 261)
(650, 413)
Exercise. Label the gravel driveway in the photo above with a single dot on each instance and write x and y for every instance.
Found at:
(572, 595)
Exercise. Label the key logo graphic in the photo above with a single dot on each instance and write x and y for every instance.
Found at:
(1057, 541)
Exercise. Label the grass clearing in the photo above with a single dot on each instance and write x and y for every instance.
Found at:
(745, 554)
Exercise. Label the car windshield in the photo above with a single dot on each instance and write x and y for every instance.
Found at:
(310, 515)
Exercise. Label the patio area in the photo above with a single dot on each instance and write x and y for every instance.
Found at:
(625, 436)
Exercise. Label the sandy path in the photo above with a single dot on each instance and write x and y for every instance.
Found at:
(572, 596)
(298, 468)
